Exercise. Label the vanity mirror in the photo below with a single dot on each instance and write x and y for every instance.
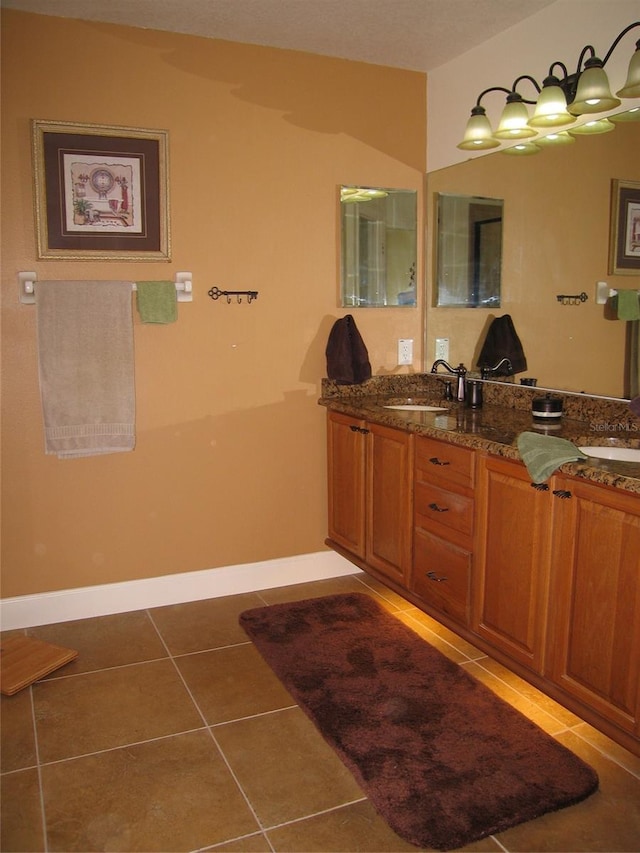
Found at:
(556, 234)
(469, 251)
(378, 247)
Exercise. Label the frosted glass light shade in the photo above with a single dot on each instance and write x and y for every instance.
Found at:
(631, 88)
(478, 134)
(551, 108)
(522, 149)
(514, 122)
(555, 140)
(593, 94)
(629, 115)
(591, 128)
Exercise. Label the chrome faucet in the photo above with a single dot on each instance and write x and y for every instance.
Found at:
(460, 372)
(504, 362)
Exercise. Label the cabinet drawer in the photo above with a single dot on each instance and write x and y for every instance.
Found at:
(445, 462)
(434, 505)
(441, 573)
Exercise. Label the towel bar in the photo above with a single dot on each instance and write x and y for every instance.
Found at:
(604, 291)
(27, 287)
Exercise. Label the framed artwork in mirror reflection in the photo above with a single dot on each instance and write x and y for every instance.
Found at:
(101, 192)
(624, 241)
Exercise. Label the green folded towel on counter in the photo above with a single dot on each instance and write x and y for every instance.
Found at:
(628, 305)
(156, 301)
(542, 454)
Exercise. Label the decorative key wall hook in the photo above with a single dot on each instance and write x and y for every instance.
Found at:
(216, 293)
(576, 299)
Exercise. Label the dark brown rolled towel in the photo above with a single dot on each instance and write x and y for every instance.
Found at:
(347, 356)
(502, 341)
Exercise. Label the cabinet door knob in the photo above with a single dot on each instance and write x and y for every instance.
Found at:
(563, 494)
(437, 508)
(434, 577)
(435, 461)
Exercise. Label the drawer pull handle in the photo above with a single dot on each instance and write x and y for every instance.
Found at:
(563, 494)
(434, 577)
(437, 508)
(540, 487)
(435, 461)
(359, 429)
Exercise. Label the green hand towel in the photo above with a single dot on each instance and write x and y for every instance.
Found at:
(542, 454)
(628, 305)
(156, 301)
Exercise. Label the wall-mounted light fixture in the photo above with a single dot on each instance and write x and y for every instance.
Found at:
(561, 99)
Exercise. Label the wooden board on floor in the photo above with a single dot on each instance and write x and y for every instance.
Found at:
(24, 660)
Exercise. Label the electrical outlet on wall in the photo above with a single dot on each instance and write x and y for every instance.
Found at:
(442, 348)
(405, 351)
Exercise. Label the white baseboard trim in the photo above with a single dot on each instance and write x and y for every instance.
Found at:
(26, 611)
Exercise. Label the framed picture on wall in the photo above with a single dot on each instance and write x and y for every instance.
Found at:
(101, 192)
(624, 243)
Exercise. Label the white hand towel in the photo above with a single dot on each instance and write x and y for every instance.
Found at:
(85, 353)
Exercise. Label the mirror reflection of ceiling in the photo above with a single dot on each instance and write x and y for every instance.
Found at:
(557, 227)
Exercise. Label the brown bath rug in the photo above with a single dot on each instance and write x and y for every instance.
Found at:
(441, 757)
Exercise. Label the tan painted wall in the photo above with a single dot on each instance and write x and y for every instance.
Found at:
(229, 466)
(556, 241)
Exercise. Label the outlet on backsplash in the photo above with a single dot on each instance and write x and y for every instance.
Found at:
(442, 348)
(405, 351)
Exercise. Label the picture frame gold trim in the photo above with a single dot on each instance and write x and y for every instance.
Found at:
(624, 238)
(101, 192)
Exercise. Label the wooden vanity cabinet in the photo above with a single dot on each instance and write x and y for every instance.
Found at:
(370, 494)
(547, 579)
(444, 478)
(594, 600)
(512, 555)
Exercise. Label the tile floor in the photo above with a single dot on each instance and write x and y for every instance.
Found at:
(169, 733)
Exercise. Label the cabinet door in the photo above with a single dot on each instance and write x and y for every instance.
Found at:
(512, 561)
(594, 628)
(389, 501)
(346, 481)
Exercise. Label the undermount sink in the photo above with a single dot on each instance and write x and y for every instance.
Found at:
(417, 407)
(617, 454)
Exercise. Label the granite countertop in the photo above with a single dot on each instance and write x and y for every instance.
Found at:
(494, 428)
